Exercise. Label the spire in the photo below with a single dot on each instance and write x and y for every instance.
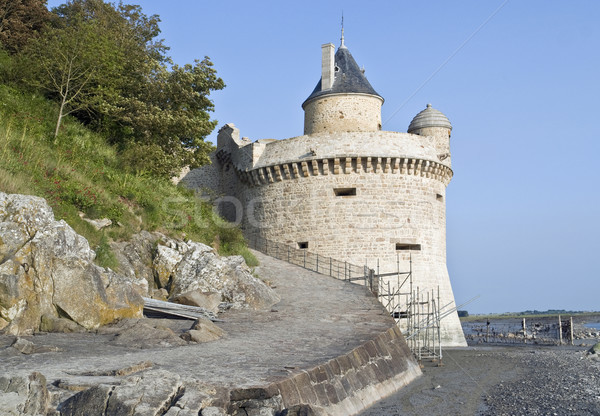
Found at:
(342, 39)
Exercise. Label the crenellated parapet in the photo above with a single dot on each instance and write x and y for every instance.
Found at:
(340, 166)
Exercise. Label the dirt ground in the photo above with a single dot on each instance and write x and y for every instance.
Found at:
(501, 380)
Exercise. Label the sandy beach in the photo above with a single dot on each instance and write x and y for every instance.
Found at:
(501, 380)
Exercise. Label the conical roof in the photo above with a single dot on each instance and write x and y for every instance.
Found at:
(430, 117)
(348, 78)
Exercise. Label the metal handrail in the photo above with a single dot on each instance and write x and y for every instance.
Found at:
(328, 266)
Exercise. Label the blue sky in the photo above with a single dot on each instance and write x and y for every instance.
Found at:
(518, 80)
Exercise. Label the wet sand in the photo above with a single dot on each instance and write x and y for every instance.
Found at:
(501, 380)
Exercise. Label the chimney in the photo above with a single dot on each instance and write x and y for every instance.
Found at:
(327, 66)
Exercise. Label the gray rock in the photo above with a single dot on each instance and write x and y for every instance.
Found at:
(594, 352)
(135, 260)
(92, 401)
(48, 269)
(165, 262)
(194, 400)
(143, 333)
(201, 269)
(99, 223)
(152, 393)
(51, 323)
(21, 396)
(206, 300)
(257, 406)
(24, 346)
(204, 330)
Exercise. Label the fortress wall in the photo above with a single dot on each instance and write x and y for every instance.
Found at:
(388, 209)
(354, 144)
(207, 177)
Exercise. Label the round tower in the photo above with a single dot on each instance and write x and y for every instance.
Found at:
(348, 192)
(343, 100)
(433, 123)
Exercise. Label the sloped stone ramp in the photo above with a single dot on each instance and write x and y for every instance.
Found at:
(328, 348)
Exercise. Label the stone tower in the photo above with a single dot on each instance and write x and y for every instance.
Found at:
(343, 99)
(346, 189)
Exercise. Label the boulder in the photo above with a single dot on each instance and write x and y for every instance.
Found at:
(206, 300)
(165, 261)
(594, 352)
(47, 269)
(202, 270)
(203, 330)
(143, 333)
(135, 260)
(24, 346)
(152, 393)
(51, 323)
(21, 396)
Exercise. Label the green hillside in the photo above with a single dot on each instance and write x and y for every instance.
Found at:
(79, 172)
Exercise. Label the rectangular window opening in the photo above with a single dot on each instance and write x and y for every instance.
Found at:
(344, 191)
(439, 197)
(408, 247)
(302, 245)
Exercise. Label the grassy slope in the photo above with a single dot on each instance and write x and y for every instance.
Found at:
(81, 173)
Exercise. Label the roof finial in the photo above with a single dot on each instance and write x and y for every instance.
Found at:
(342, 45)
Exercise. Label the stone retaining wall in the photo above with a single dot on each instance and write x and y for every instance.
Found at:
(341, 386)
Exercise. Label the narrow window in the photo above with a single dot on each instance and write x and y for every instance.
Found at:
(439, 197)
(303, 245)
(406, 247)
(344, 191)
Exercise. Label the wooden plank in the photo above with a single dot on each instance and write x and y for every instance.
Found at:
(176, 309)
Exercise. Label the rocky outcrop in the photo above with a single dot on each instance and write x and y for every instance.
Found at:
(46, 269)
(156, 392)
(22, 396)
(49, 282)
(191, 273)
(201, 270)
(135, 259)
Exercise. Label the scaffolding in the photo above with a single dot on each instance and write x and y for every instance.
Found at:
(417, 312)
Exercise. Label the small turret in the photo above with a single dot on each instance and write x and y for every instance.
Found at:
(343, 99)
(433, 123)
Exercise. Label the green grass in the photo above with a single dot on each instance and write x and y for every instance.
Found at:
(81, 173)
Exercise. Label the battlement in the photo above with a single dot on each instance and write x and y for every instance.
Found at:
(341, 165)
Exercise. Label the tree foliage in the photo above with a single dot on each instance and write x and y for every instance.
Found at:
(21, 20)
(74, 64)
(105, 64)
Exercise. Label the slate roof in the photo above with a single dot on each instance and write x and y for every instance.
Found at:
(349, 78)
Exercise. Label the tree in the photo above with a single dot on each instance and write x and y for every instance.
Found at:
(105, 64)
(76, 64)
(21, 20)
(171, 111)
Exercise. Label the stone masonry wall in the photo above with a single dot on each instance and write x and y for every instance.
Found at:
(387, 210)
(343, 112)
